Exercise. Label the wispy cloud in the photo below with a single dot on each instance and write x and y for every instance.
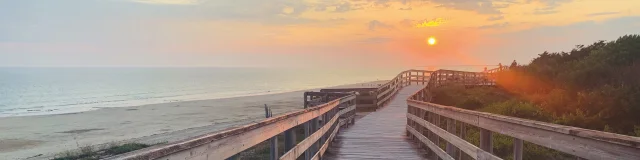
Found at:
(479, 6)
(375, 24)
(495, 18)
(493, 26)
(375, 40)
(602, 14)
(545, 10)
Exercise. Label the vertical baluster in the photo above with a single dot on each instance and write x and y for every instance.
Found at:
(289, 139)
(517, 149)
(486, 140)
(307, 133)
(425, 131)
(420, 128)
(436, 139)
(318, 125)
(463, 135)
(451, 128)
(273, 150)
(321, 123)
(410, 122)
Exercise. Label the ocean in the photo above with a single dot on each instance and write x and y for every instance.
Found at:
(43, 91)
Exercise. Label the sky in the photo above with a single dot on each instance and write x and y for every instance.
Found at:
(302, 33)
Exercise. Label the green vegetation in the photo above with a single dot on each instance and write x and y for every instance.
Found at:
(90, 153)
(114, 150)
(595, 87)
(85, 153)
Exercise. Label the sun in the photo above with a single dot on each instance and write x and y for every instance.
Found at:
(431, 41)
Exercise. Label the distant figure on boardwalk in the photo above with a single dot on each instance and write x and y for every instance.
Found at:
(513, 64)
(499, 66)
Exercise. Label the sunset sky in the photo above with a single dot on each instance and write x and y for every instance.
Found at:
(302, 33)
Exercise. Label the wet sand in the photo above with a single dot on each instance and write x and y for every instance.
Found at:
(41, 137)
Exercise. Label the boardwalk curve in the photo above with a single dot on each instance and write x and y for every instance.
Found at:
(379, 135)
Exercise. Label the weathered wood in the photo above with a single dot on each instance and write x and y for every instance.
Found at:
(386, 98)
(450, 112)
(434, 147)
(463, 135)
(379, 135)
(435, 119)
(289, 139)
(307, 133)
(463, 145)
(486, 140)
(584, 143)
(451, 150)
(324, 147)
(517, 149)
(227, 143)
(273, 149)
(299, 149)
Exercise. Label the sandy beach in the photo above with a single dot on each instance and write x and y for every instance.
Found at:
(41, 137)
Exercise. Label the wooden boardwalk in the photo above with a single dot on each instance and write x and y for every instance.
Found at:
(382, 134)
(379, 135)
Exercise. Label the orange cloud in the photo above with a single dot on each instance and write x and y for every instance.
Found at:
(430, 23)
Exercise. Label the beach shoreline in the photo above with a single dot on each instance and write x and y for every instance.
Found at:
(43, 136)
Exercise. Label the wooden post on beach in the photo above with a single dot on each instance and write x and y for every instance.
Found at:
(273, 150)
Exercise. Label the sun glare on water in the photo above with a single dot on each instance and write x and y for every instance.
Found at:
(431, 41)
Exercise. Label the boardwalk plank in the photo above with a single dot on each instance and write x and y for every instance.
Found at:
(379, 135)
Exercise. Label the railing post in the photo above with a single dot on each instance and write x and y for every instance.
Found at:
(352, 114)
(321, 124)
(517, 149)
(486, 140)
(451, 128)
(420, 128)
(273, 150)
(463, 135)
(289, 139)
(314, 128)
(307, 133)
(409, 121)
(436, 139)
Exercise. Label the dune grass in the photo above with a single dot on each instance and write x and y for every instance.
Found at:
(91, 153)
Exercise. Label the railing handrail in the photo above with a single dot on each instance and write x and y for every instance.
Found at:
(389, 89)
(226, 143)
(576, 141)
(569, 130)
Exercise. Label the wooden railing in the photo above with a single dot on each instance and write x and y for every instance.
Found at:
(446, 77)
(405, 78)
(321, 124)
(427, 123)
(430, 123)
